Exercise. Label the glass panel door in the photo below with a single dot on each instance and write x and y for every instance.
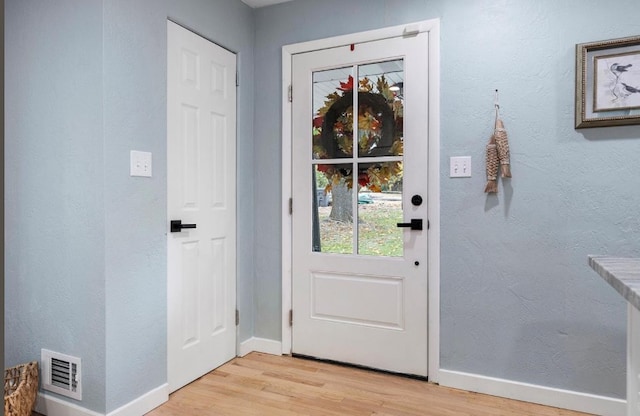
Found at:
(357, 279)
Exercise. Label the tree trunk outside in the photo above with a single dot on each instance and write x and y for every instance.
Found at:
(342, 203)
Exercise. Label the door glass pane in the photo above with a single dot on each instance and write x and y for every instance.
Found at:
(380, 209)
(333, 113)
(332, 209)
(378, 184)
(380, 108)
(380, 134)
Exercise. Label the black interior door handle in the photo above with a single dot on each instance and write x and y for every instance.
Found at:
(415, 224)
(177, 226)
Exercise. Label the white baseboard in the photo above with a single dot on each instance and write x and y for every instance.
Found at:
(145, 403)
(264, 345)
(52, 406)
(565, 399)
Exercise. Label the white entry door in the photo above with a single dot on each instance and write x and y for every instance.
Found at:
(360, 204)
(201, 155)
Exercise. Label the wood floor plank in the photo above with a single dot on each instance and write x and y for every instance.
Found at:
(268, 385)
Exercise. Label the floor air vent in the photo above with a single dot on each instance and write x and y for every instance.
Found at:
(61, 374)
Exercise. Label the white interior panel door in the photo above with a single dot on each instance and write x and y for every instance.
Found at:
(360, 262)
(201, 129)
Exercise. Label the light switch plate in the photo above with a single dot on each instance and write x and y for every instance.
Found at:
(460, 167)
(140, 163)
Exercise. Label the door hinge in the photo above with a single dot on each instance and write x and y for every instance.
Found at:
(237, 78)
(237, 317)
(290, 317)
(428, 225)
(290, 93)
(290, 206)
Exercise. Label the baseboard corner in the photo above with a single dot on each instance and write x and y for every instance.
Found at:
(145, 403)
(255, 344)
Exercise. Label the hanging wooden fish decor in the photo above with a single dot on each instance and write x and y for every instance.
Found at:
(493, 164)
(497, 154)
(502, 143)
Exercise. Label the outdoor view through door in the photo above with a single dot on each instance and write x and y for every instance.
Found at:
(359, 190)
(376, 194)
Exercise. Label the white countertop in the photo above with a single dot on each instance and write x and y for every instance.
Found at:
(623, 274)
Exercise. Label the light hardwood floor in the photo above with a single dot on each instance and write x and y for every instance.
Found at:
(265, 385)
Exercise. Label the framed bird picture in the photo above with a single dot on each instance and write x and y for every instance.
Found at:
(608, 83)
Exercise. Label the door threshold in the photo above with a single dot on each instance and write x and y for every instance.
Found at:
(360, 367)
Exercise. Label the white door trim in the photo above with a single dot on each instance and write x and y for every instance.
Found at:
(433, 28)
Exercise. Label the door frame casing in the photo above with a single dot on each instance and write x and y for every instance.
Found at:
(432, 27)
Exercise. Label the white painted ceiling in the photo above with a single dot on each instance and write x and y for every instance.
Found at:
(262, 3)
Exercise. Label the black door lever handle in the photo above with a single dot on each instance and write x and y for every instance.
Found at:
(415, 224)
(177, 226)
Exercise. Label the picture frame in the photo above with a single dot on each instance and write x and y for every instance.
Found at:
(608, 83)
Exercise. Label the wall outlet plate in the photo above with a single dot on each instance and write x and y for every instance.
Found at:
(140, 163)
(460, 167)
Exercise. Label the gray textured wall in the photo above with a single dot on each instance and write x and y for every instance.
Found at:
(518, 300)
(86, 267)
(85, 274)
(135, 118)
(54, 286)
